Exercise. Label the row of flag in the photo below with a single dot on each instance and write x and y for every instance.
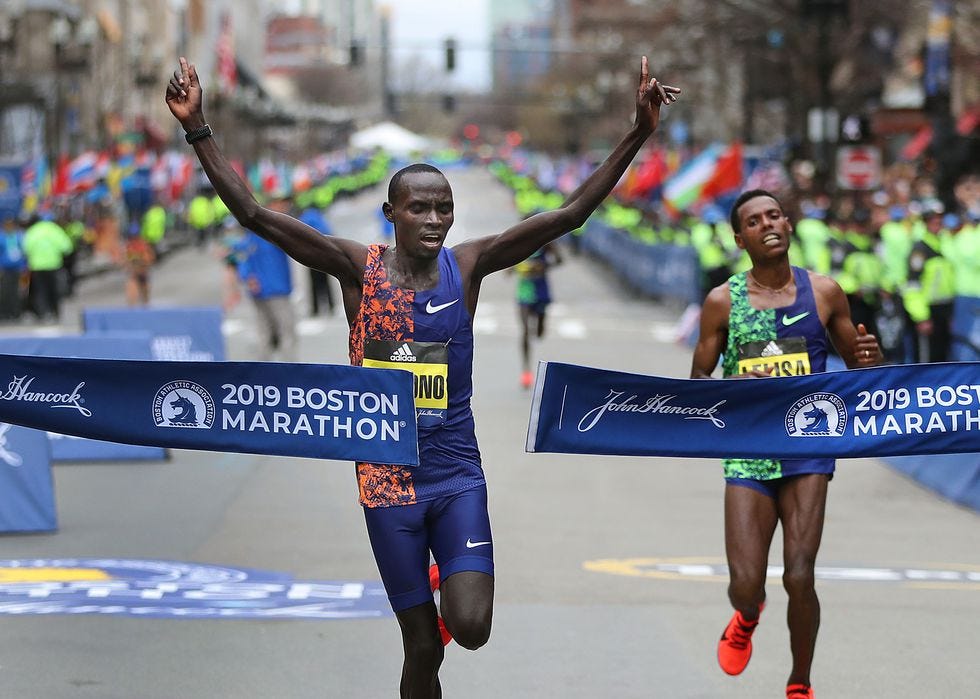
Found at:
(166, 174)
(714, 176)
(683, 182)
(82, 173)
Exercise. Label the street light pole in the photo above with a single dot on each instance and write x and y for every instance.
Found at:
(388, 107)
(58, 33)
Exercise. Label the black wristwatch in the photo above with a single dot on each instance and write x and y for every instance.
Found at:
(198, 134)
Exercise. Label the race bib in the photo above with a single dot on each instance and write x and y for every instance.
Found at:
(784, 357)
(429, 364)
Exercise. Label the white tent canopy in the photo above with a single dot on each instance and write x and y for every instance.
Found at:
(390, 137)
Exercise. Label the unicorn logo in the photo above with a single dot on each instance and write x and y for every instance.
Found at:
(817, 420)
(183, 404)
(185, 412)
(7, 456)
(817, 415)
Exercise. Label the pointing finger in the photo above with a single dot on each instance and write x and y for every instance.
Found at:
(644, 72)
(176, 83)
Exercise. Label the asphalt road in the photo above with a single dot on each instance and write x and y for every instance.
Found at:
(608, 569)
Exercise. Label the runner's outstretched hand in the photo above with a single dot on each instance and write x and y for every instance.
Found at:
(185, 96)
(650, 94)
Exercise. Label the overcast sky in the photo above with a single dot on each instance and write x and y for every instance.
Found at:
(420, 27)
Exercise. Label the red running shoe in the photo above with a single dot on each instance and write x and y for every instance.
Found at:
(527, 378)
(434, 585)
(735, 646)
(799, 691)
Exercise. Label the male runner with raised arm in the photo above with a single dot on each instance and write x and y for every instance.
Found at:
(755, 322)
(416, 301)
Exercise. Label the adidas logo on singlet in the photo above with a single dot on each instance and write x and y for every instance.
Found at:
(403, 354)
(771, 349)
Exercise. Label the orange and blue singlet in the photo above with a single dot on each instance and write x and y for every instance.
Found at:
(430, 333)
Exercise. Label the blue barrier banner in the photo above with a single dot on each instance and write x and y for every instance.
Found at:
(26, 494)
(661, 270)
(314, 410)
(183, 334)
(881, 411)
(117, 345)
(954, 476)
(966, 329)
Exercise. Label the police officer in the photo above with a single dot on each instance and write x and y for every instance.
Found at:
(930, 289)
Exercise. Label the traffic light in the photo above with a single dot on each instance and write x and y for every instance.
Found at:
(450, 55)
(449, 103)
(825, 8)
(355, 55)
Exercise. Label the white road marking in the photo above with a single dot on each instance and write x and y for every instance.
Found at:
(232, 326)
(572, 329)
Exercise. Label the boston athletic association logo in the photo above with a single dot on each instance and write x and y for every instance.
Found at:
(183, 404)
(817, 415)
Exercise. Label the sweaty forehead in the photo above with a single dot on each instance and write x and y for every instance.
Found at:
(756, 206)
(422, 184)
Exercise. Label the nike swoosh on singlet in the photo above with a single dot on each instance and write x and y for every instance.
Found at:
(429, 308)
(789, 320)
(474, 544)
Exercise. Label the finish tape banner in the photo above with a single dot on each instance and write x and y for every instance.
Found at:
(115, 345)
(880, 411)
(313, 410)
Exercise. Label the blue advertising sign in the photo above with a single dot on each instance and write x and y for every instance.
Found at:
(26, 494)
(11, 196)
(936, 75)
(966, 329)
(177, 590)
(881, 411)
(314, 410)
(118, 345)
(182, 334)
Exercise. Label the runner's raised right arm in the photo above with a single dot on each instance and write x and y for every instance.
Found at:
(339, 257)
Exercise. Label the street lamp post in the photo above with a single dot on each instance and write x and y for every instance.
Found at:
(71, 43)
(58, 34)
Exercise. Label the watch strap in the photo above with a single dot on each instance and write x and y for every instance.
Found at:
(198, 134)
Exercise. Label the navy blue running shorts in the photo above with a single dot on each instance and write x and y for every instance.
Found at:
(770, 487)
(456, 528)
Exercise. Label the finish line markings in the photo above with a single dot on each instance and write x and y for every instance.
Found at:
(175, 590)
(715, 570)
